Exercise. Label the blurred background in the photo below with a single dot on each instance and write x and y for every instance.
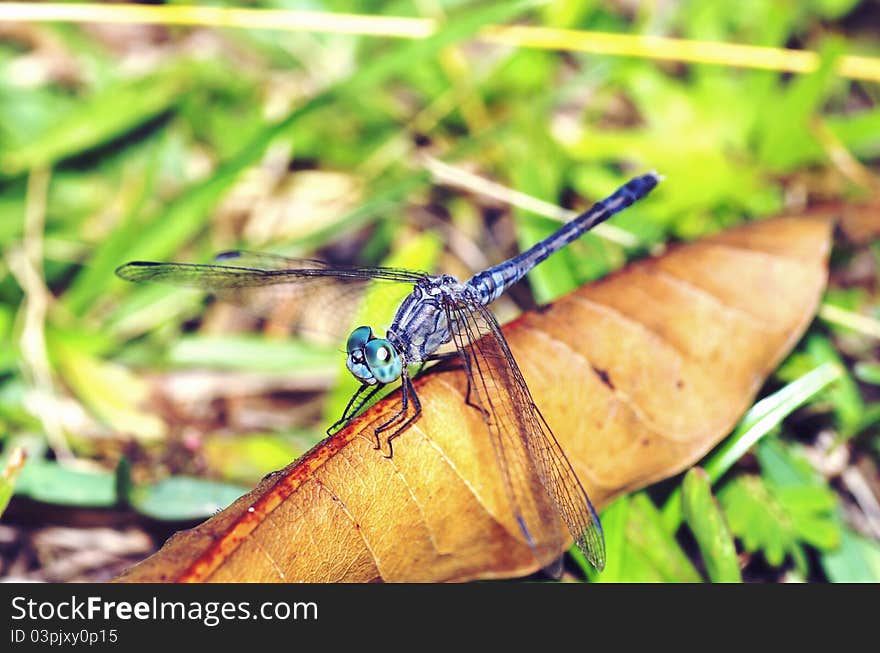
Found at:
(418, 135)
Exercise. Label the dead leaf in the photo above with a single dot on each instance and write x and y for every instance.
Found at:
(639, 375)
(857, 222)
(860, 223)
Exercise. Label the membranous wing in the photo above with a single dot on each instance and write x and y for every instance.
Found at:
(539, 481)
(304, 294)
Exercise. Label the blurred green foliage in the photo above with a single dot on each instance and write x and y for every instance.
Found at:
(178, 142)
(781, 509)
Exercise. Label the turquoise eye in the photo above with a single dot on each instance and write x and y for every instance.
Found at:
(383, 360)
(358, 339)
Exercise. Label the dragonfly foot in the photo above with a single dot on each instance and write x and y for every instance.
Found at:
(483, 411)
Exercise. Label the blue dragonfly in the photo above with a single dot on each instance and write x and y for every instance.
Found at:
(539, 482)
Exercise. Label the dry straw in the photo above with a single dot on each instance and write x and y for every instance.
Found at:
(523, 36)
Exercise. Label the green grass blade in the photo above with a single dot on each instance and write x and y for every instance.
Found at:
(786, 137)
(763, 417)
(648, 540)
(97, 120)
(111, 391)
(254, 353)
(638, 547)
(845, 397)
(706, 521)
(857, 560)
(97, 274)
(185, 216)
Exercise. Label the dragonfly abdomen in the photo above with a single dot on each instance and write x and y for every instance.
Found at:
(491, 283)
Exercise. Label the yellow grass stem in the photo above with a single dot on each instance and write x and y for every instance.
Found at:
(521, 36)
(204, 16)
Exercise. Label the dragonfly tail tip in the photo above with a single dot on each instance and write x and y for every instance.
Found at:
(228, 254)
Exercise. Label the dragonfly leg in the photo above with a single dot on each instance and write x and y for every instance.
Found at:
(464, 358)
(404, 405)
(467, 395)
(344, 418)
(417, 411)
(400, 421)
(431, 358)
(445, 356)
(348, 414)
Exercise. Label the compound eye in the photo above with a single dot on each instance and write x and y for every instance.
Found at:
(383, 360)
(358, 339)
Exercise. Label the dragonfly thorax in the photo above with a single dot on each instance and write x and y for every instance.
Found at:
(370, 359)
(421, 325)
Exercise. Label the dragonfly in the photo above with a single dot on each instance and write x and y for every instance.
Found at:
(540, 484)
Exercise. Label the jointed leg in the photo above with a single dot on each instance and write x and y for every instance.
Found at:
(348, 414)
(404, 400)
(445, 356)
(417, 411)
(400, 421)
(466, 361)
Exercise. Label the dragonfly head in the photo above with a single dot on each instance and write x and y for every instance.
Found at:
(372, 360)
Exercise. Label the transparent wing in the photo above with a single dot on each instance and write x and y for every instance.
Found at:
(539, 481)
(305, 294)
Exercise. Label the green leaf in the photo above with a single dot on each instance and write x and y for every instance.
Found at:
(650, 541)
(638, 548)
(178, 498)
(833, 9)
(859, 132)
(110, 390)
(97, 275)
(867, 371)
(802, 492)
(789, 505)
(99, 118)
(249, 352)
(786, 138)
(849, 407)
(183, 498)
(857, 560)
(245, 459)
(51, 482)
(709, 527)
(758, 519)
(539, 174)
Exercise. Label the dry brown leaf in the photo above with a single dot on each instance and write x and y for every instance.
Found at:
(859, 222)
(639, 375)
